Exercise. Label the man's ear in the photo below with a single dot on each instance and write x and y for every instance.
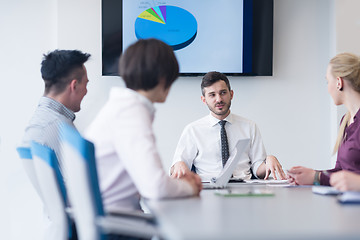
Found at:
(203, 99)
(73, 84)
(231, 94)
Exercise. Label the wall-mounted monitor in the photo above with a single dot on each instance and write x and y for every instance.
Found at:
(230, 36)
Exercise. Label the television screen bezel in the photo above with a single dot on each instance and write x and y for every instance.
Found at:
(257, 46)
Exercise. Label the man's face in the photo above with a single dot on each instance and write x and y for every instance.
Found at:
(218, 99)
(81, 90)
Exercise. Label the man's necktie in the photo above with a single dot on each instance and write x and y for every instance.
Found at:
(224, 143)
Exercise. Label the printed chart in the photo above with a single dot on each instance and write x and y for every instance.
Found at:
(173, 25)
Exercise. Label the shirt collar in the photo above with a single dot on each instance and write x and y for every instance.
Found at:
(213, 120)
(57, 107)
(119, 91)
(357, 115)
(147, 103)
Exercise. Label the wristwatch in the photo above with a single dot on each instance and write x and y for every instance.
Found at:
(317, 178)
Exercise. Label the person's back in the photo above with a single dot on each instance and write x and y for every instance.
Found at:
(110, 134)
(127, 159)
(43, 125)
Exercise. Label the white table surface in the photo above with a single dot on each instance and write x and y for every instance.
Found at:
(292, 213)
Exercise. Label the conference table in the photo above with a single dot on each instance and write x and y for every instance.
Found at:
(287, 212)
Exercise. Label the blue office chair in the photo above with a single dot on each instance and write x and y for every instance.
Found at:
(84, 194)
(53, 191)
(27, 161)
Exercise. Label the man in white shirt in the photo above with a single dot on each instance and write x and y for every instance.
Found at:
(201, 143)
(128, 162)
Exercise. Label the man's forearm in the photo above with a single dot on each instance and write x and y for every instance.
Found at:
(261, 171)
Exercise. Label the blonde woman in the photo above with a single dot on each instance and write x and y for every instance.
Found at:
(343, 77)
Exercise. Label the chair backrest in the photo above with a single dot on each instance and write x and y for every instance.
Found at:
(82, 183)
(53, 191)
(28, 163)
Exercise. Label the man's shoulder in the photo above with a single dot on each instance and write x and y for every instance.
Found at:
(43, 125)
(199, 122)
(237, 119)
(43, 118)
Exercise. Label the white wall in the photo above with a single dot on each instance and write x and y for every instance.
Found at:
(27, 31)
(347, 26)
(347, 38)
(292, 108)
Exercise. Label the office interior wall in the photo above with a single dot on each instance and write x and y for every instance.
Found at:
(347, 38)
(28, 29)
(347, 26)
(291, 108)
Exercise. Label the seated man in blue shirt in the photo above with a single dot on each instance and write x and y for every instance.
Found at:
(207, 143)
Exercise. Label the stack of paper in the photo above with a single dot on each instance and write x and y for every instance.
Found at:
(238, 192)
(269, 182)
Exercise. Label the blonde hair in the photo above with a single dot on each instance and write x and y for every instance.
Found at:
(346, 66)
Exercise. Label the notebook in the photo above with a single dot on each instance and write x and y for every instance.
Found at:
(325, 190)
(349, 197)
(223, 178)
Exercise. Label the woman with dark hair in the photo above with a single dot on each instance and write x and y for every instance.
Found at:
(129, 164)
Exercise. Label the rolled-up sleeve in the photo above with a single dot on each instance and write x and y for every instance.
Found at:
(257, 153)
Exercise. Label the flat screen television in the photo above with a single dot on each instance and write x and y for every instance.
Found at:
(230, 36)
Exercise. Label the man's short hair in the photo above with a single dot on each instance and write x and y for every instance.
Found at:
(60, 67)
(146, 62)
(212, 77)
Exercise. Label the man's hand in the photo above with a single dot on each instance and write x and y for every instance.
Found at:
(194, 180)
(179, 170)
(345, 181)
(301, 175)
(273, 166)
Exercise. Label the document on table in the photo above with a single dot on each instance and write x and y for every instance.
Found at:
(268, 181)
(256, 192)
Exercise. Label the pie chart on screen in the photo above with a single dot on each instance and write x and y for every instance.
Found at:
(173, 25)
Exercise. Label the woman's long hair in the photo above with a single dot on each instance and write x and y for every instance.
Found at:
(346, 66)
